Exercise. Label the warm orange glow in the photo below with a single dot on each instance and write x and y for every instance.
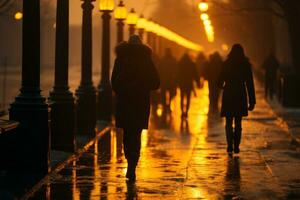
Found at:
(142, 22)
(120, 11)
(18, 16)
(204, 16)
(172, 36)
(207, 22)
(159, 110)
(203, 6)
(106, 5)
(225, 47)
(132, 17)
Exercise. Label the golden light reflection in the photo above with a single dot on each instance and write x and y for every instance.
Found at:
(96, 192)
(76, 192)
(159, 110)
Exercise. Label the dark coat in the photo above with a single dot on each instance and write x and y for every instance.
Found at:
(134, 76)
(168, 72)
(237, 81)
(186, 74)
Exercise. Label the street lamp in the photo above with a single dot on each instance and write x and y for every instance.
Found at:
(104, 105)
(203, 6)
(132, 20)
(204, 16)
(141, 25)
(18, 16)
(120, 15)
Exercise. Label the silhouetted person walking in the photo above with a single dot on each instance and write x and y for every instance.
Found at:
(271, 66)
(134, 76)
(212, 71)
(186, 75)
(168, 68)
(201, 61)
(236, 79)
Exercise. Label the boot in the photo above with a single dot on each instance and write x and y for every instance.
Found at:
(130, 174)
(237, 140)
(229, 138)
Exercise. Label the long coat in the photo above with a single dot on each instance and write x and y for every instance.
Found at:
(186, 74)
(134, 76)
(237, 81)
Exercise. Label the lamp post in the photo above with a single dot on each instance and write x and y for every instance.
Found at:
(61, 99)
(120, 15)
(132, 20)
(141, 25)
(29, 107)
(86, 92)
(104, 104)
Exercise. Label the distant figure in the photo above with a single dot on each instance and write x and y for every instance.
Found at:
(212, 71)
(134, 76)
(271, 66)
(200, 66)
(168, 68)
(236, 79)
(186, 75)
(155, 95)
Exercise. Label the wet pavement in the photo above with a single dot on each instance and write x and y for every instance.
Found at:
(185, 160)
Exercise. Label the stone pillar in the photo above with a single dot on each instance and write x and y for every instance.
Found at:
(104, 104)
(86, 93)
(61, 99)
(29, 107)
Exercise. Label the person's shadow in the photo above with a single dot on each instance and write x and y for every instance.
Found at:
(184, 126)
(232, 183)
(132, 192)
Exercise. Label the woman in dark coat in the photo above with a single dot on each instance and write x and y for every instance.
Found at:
(134, 76)
(239, 95)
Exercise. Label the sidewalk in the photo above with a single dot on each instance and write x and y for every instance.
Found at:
(186, 160)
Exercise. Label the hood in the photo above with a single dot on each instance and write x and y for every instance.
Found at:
(125, 49)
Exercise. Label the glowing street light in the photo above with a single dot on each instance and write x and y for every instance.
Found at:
(204, 16)
(120, 11)
(106, 5)
(120, 15)
(104, 107)
(141, 25)
(18, 16)
(132, 20)
(203, 6)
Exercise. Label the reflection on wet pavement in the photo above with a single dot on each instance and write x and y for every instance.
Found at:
(179, 160)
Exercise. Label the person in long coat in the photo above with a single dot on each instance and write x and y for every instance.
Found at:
(186, 76)
(212, 71)
(168, 72)
(271, 66)
(134, 77)
(236, 80)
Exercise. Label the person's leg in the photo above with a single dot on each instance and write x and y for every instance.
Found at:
(188, 102)
(229, 134)
(182, 102)
(132, 146)
(237, 133)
